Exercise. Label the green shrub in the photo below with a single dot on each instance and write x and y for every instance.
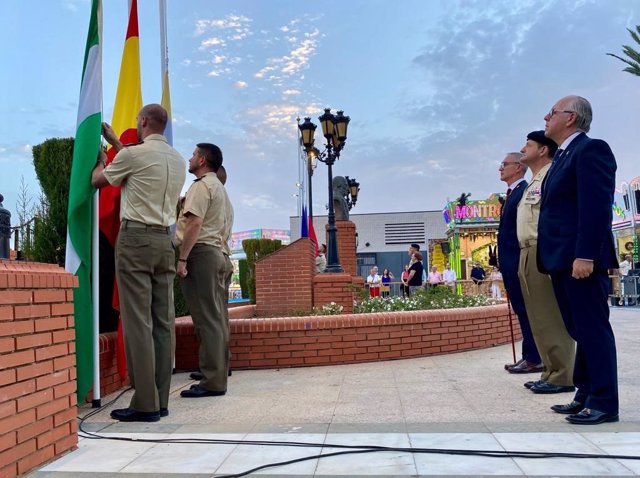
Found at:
(436, 298)
(257, 249)
(243, 272)
(52, 161)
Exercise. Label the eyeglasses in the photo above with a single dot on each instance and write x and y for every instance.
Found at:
(505, 164)
(554, 111)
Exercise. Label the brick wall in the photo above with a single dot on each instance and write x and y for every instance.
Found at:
(347, 246)
(284, 280)
(338, 288)
(110, 380)
(324, 340)
(328, 340)
(37, 365)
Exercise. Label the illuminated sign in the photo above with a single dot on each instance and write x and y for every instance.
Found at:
(235, 243)
(473, 212)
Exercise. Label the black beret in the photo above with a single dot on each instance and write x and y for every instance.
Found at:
(540, 138)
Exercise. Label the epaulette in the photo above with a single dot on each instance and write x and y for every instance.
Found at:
(132, 144)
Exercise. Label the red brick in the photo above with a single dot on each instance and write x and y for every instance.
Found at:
(67, 335)
(7, 408)
(6, 312)
(31, 430)
(36, 459)
(51, 323)
(8, 440)
(17, 452)
(7, 376)
(34, 399)
(14, 328)
(58, 350)
(18, 420)
(64, 389)
(49, 296)
(62, 363)
(35, 370)
(16, 359)
(66, 444)
(52, 407)
(65, 416)
(32, 311)
(15, 296)
(33, 340)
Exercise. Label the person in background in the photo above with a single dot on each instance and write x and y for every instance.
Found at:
(478, 276)
(449, 277)
(405, 281)
(373, 281)
(387, 277)
(434, 279)
(416, 270)
(623, 270)
(321, 259)
(496, 279)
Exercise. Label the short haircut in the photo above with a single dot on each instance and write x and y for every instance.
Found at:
(416, 246)
(518, 157)
(156, 115)
(212, 155)
(582, 109)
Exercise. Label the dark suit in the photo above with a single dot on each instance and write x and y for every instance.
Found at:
(575, 222)
(508, 259)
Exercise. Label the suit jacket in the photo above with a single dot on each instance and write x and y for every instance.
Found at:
(508, 247)
(575, 210)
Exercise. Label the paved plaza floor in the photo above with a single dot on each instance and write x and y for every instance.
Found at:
(464, 401)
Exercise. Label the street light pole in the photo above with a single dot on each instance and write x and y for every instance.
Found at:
(334, 129)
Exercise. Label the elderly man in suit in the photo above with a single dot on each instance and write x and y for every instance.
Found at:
(576, 247)
(512, 172)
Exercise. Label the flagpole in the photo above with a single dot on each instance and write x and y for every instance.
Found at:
(95, 299)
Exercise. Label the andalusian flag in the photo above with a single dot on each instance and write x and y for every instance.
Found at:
(125, 111)
(85, 153)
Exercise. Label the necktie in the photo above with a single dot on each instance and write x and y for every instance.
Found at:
(508, 192)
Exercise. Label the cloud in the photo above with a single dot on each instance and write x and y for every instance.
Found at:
(291, 92)
(240, 85)
(294, 61)
(237, 23)
(211, 42)
(262, 201)
(217, 59)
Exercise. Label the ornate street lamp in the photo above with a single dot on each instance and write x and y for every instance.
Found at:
(354, 189)
(334, 130)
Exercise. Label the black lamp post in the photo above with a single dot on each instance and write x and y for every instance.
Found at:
(334, 129)
(354, 189)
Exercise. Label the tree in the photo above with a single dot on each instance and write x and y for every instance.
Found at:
(633, 59)
(52, 161)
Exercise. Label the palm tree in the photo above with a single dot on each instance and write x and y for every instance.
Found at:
(633, 56)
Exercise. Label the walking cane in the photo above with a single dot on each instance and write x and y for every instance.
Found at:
(513, 340)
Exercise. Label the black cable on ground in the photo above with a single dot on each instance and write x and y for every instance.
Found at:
(347, 449)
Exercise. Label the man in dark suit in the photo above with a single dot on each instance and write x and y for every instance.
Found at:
(512, 172)
(576, 247)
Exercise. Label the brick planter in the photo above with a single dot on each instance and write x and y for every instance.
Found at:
(37, 365)
(352, 338)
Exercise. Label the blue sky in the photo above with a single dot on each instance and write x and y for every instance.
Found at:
(437, 91)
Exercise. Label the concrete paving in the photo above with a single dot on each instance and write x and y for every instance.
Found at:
(462, 401)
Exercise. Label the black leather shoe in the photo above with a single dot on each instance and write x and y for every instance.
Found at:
(547, 387)
(531, 383)
(569, 408)
(589, 416)
(164, 412)
(527, 367)
(196, 391)
(131, 415)
(507, 366)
